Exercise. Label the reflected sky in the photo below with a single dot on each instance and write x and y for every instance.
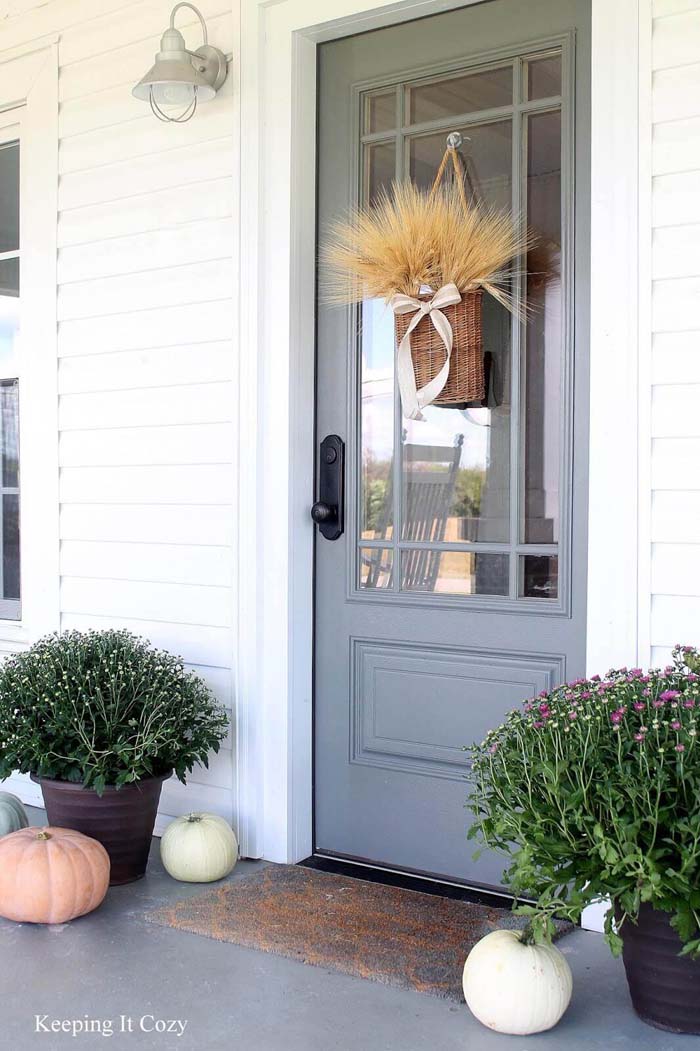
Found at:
(441, 425)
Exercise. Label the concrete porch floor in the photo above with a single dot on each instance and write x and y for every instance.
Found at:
(113, 963)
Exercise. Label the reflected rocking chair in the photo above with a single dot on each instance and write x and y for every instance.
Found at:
(429, 477)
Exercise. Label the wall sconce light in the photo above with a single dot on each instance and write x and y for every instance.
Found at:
(180, 77)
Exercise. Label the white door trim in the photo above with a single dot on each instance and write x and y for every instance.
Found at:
(277, 235)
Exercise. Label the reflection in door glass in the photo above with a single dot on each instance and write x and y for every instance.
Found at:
(544, 77)
(458, 477)
(380, 111)
(543, 337)
(454, 572)
(456, 463)
(377, 421)
(538, 576)
(487, 159)
(376, 567)
(380, 168)
(456, 96)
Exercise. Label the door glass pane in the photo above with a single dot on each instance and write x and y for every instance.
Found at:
(454, 572)
(455, 96)
(543, 335)
(471, 447)
(538, 576)
(377, 420)
(486, 157)
(9, 197)
(380, 168)
(380, 112)
(544, 77)
(376, 567)
(456, 473)
(453, 483)
(376, 339)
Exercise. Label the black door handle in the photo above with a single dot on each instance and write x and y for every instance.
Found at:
(321, 512)
(328, 511)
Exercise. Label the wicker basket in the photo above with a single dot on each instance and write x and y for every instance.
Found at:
(465, 382)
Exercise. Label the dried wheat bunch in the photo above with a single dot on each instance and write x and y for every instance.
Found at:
(411, 237)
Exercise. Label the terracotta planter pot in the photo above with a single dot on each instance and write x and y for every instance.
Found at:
(665, 987)
(121, 819)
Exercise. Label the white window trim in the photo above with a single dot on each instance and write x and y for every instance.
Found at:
(29, 99)
(276, 317)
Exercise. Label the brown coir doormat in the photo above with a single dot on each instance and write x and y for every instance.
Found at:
(399, 937)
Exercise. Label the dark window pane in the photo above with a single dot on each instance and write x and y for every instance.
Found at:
(454, 572)
(543, 337)
(538, 576)
(9, 197)
(380, 169)
(544, 77)
(9, 278)
(9, 422)
(10, 546)
(455, 96)
(10, 481)
(380, 112)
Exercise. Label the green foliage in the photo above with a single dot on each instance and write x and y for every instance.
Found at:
(468, 487)
(104, 708)
(375, 504)
(592, 791)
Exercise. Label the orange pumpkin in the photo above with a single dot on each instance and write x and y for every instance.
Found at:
(51, 875)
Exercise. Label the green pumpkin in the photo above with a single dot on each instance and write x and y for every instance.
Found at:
(13, 816)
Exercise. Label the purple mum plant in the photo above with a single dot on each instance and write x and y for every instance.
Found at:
(593, 792)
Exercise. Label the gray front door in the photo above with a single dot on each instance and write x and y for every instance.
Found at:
(458, 587)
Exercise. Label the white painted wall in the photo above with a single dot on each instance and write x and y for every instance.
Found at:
(146, 358)
(675, 322)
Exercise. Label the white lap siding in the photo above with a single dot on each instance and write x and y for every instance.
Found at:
(146, 356)
(675, 367)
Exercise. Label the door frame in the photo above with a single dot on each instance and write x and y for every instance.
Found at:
(276, 324)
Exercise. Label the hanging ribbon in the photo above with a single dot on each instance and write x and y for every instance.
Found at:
(412, 399)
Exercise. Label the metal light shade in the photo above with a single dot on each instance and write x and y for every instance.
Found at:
(180, 77)
(173, 84)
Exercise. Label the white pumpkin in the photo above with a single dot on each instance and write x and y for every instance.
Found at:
(199, 848)
(13, 816)
(516, 988)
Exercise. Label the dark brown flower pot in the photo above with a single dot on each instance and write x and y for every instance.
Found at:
(665, 987)
(121, 819)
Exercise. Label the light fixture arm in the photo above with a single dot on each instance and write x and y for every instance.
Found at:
(198, 14)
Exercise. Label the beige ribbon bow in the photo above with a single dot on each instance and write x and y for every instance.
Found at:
(412, 399)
